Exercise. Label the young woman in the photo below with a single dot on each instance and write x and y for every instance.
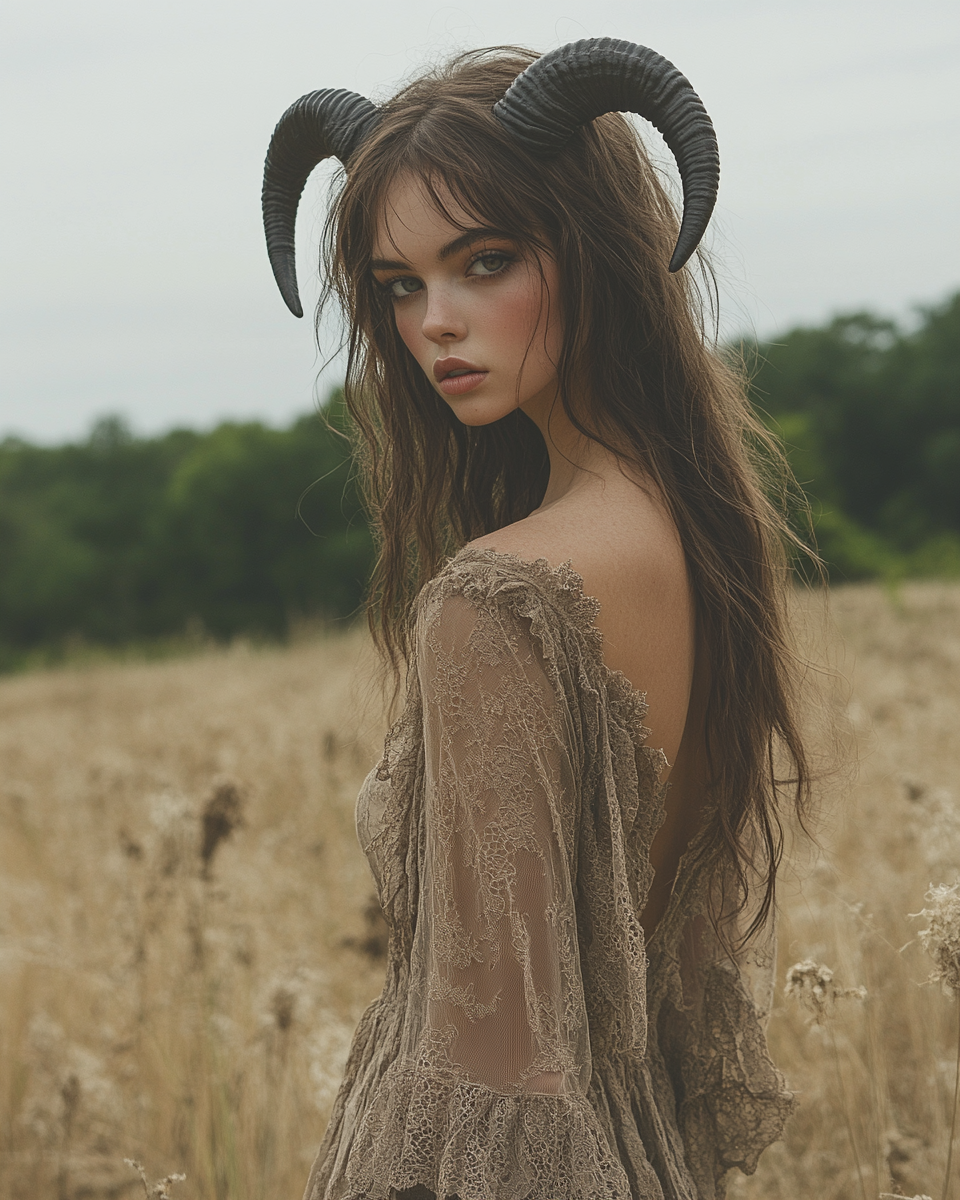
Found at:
(573, 541)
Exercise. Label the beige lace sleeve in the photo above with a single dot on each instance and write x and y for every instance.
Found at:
(504, 1002)
(488, 1096)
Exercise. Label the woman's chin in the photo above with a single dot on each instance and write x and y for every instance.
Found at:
(480, 411)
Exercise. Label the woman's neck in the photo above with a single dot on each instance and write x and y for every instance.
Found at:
(576, 462)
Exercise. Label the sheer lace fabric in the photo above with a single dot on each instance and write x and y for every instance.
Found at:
(527, 1044)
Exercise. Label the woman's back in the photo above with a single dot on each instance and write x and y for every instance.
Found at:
(623, 543)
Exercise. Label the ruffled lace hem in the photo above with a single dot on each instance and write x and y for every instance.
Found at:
(736, 1101)
(426, 1126)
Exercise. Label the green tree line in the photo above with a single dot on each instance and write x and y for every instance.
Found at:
(870, 417)
(119, 539)
(247, 529)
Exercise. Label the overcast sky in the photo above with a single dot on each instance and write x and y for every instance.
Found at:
(131, 254)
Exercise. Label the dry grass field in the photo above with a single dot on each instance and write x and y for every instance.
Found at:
(187, 937)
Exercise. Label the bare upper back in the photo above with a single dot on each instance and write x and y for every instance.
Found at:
(625, 547)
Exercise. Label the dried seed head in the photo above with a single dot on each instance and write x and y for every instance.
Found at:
(941, 938)
(138, 1167)
(222, 814)
(283, 1005)
(159, 1190)
(811, 985)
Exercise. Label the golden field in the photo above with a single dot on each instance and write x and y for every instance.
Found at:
(188, 934)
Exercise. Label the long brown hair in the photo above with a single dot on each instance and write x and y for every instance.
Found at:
(657, 395)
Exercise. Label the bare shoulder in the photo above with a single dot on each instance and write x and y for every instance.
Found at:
(624, 545)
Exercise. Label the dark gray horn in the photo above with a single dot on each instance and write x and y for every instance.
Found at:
(318, 125)
(571, 86)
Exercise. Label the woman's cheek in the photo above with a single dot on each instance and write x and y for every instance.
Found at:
(526, 308)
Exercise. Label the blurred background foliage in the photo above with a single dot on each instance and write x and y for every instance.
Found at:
(123, 541)
(248, 530)
(869, 414)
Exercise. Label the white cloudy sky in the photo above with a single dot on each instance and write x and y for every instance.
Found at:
(134, 278)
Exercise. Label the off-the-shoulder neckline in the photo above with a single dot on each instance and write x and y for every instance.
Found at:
(562, 580)
(580, 607)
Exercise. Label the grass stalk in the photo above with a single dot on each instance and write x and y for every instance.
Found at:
(953, 1119)
(845, 1109)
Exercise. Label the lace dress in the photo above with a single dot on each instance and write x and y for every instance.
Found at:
(528, 1044)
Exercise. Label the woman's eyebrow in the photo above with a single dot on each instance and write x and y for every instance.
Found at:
(468, 237)
(388, 264)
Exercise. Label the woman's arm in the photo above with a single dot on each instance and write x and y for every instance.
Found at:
(504, 997)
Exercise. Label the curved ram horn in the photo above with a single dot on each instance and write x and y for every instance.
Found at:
(318, 125)
(571, 86)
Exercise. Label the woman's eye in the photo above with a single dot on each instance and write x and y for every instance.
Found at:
(489, 264)
(405, 286)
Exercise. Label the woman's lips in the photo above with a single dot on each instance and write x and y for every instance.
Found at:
(455, 376)
(456, 385)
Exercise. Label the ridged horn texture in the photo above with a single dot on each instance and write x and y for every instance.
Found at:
(578, 82)
(320, 124)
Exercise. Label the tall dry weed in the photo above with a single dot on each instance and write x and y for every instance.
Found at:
(890, 828)
(187, 937)
(185, 929)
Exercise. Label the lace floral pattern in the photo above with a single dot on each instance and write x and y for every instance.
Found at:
(528, 1044)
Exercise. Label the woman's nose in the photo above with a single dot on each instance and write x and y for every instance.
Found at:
(443, 320)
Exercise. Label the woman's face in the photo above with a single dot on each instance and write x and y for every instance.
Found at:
(472, 307)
